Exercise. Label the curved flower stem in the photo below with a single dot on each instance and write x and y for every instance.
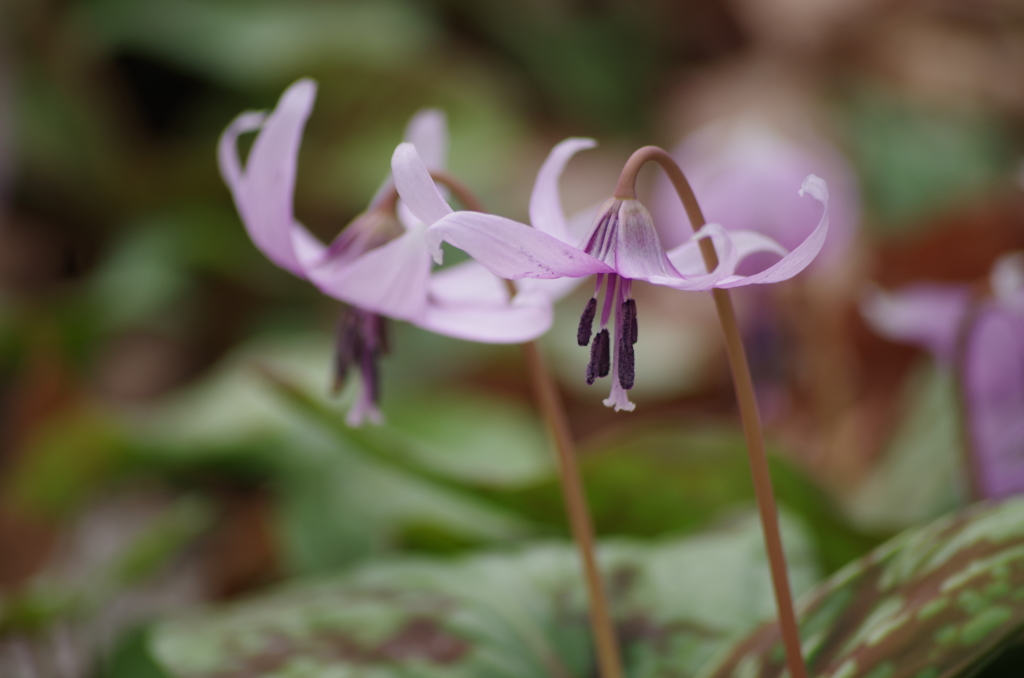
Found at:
(744, 384)
(557, 423)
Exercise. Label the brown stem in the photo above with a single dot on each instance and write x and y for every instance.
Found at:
(744, 384)
(557, 423)
(582, 528)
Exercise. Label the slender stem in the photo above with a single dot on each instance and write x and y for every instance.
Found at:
(582, 528)
(580, 524)
(744, 384)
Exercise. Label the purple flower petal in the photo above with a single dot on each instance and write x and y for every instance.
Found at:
(553, 288)
(415, 185)
(227, 151)
(525, 320)
(728, 258)
(427, 130)
(263, 192)
(546, 212)
(804, 253)
(510, 249)
(993, 382)
(390, 280)
(688, 260)
(468, 283)
(638, 253)
(925, 315)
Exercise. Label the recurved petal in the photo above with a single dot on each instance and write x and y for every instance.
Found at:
(428, 132)
(524, 320)
(415, 186)
(695, 276)
(227, 150)
(391, 280)
(510, 249)
(804, 253)
(265, 203)
(925, 315)
(546, 212)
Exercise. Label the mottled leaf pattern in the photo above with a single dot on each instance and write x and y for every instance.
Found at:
(936, 602)
(517, 614)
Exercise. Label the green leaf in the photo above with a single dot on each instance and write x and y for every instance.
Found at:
(520, 613)
(131, 658)
(937, 601)
(265, 42)
(918, 161)
(660, 479)
(921, 475)
(345, 494)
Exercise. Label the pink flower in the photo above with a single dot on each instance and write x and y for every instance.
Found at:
(621, 246)
(982, 337)
(381, 268)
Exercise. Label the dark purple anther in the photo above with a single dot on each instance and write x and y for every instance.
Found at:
(587, 323)
(626, 358)
(631, 303)
(600, 357)
(361, 340)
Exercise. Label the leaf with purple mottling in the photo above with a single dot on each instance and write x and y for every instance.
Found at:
(939, 601)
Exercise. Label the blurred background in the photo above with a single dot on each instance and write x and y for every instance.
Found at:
(166, 434)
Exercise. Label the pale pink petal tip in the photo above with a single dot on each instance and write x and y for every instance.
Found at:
(816, 187)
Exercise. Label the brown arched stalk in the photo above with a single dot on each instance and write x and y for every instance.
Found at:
(745, 396)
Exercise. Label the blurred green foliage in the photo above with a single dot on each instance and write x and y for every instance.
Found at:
(516, 613)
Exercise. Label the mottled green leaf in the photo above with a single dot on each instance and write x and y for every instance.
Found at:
(520, 613)
(936, 602)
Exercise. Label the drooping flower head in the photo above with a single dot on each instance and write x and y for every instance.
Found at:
(621, 246)
(742, 170)
(980, 335)
(379, 265)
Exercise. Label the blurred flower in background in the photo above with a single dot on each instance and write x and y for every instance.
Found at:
(979, 334)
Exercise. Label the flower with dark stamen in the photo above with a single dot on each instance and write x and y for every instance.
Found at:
(622, 246)
(379, 265)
